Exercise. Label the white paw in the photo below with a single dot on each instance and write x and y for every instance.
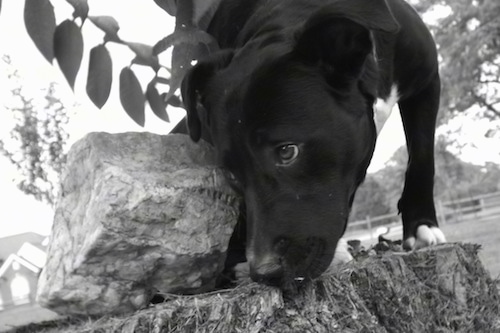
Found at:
(242, 271)
(342, 254)
(426, 236)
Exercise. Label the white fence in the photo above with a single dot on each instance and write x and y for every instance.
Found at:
(474, 208)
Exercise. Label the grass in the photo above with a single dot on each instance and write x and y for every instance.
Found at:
(485, 232)
(482, 231)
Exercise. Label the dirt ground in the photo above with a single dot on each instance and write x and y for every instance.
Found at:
(24, 314)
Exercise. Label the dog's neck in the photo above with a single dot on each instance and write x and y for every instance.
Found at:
(203, 12)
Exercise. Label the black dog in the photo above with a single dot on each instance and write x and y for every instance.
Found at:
(291, 105)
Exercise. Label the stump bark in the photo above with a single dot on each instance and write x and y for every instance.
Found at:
(439, 289)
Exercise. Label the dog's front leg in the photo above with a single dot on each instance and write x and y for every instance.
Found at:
(419, 112)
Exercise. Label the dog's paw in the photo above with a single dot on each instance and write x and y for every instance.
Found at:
(242, 272)
(425, 236)
(342, 254)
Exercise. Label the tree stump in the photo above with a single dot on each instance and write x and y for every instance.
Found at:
(438, 289)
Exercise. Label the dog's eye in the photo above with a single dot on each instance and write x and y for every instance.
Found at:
(287, 153)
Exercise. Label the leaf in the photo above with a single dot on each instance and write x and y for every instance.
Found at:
(81, 8)
(144, 55)
(131, 96)
(190, 44)
(156, 102)
(186, 36)
(68, 49)
(174, 100)
(181, 62)
(109, 25)
(170, 6)
(40, 23)
(100, 75)
(162, 80)
(184, 13)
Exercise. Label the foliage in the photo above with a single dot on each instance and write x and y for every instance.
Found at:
(380, 192)
(468, 39)
(370, 200)
(36, 145)
(455, 179)
(64, 42)
(469, 44)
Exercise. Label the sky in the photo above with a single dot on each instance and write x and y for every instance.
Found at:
(140, 21)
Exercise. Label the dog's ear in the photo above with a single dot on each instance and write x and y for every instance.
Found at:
(338, 36)
(193, 88)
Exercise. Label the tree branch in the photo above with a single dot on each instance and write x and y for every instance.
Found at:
(490, 81)
(489, 106)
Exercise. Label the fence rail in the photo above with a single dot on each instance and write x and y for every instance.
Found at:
(472, 208)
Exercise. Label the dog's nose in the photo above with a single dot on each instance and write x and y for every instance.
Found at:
(268, 271)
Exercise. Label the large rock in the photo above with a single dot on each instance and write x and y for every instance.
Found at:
(137, 213)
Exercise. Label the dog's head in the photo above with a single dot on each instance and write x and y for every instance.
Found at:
(293, 122)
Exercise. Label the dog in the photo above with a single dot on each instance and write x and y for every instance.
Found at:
(293, 103)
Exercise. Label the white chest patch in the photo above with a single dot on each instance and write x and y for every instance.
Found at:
(383, 108)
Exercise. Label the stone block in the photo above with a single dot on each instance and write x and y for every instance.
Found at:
(137, 214)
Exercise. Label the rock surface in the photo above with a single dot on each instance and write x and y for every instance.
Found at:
(137, 213)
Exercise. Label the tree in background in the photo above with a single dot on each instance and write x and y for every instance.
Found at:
(455, 179)
(36, 143)
(370, 200)
(469, 45)
(391, 177)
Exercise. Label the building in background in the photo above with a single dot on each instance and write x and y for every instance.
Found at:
(22, 258)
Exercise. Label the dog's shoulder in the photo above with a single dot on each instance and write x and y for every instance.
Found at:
(229, 19)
